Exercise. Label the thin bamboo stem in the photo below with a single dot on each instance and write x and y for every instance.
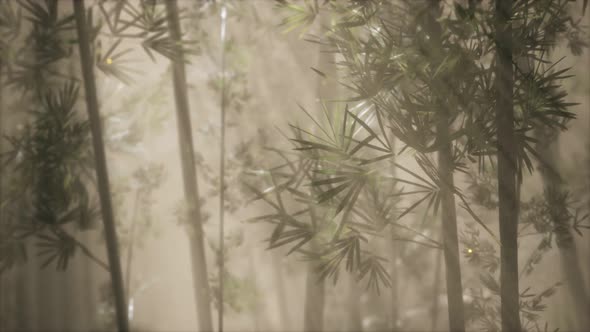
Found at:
(313, 319)
(87, 65)
(507, 168)
(448, 206)
(131, 246)
(3, 278)
(191, 190)
(570, 262)
(222, 172)
(279, 281)
(434, 310)
(394, 313)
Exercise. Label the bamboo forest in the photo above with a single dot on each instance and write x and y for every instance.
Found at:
(294, 165)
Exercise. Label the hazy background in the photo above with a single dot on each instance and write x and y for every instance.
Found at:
(266, 288)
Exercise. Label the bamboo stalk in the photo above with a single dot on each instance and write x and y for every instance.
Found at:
(570, 262)
(191, 191)
(448, 206)
(434, 310)
(278, 276)
(222, 107)
(131, 247)
(86, 59)
(507, 168)
(259, 311)
(394, 256)
(315, 289)
(449, 230)
(588, 172)
(394, 313)
(450, 237)
(355, 319)
(3, 319)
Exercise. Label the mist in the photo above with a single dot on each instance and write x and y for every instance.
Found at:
(294, 165)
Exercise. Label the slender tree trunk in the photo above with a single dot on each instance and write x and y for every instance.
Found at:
(131, 247)
(88, 291)
(3, 318)
(5, 302)
(588, 137)
(28, 290)
(278, 275)
(355, 319)
(449, 230)
(6, 291)
(447, 185)
(588, 177)
(130, 252)
(570, 260)
(68, 289)
(315, 290)
(588, 193)
(259, 316)
(507, 169)
(80, 299)
(102, 175)
(394, 311)
(222, 106)
(377, 309)
(394, 257)
(434, 310)
(191, 191)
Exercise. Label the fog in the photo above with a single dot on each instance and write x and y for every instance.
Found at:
(282, 89)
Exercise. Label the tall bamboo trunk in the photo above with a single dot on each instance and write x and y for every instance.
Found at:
(588, 176)
(3, 316)
(80, 289)
(449, 230)
(507, 169)
(315, 290)
(25, 289)
(448, 208)
(394, 292)
(222, 109)
(66, 280)
(435, 308)
(131, 246)
(588, 187)
(570, 259)
(278, 275)
(355, 319)
(394, 256)
(191, 191)
(87, 293)
(130, 257)
(86, 59)
(376, 310)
